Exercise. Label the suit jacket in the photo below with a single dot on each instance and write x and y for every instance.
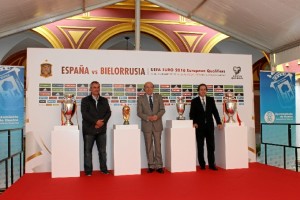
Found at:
(144, 110)
(91, 114)
(199, 116)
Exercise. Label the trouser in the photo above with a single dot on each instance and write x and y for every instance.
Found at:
(206, 134)
(153, 149)
(89, 141)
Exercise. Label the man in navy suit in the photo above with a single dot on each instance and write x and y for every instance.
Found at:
(150, 108)
(203, 109)
(95, 112)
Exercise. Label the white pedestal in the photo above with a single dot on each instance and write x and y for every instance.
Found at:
(180, 146)
(231, 147)
(127, 152)
(65, 154)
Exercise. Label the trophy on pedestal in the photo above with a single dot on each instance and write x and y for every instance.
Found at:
(230, 106)
(126, 114)
(68, 108)
(180, 106)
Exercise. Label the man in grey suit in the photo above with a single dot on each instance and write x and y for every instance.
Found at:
(150, 109)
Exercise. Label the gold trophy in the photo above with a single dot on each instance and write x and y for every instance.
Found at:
(180, 105)
(68, 108)
(126, 114)
(230, 106)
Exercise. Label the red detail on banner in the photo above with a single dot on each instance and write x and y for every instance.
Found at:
(129, 89)
(224, 119)
(70, 85)
(118, 85)
(238, 118)
(82, 89)
(44, 93)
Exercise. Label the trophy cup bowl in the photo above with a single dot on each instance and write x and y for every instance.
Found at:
(126, 114)
(180, 105)
(68, 108)
(230, 110)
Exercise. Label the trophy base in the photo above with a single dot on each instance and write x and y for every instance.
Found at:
(180, 118)
(231, 120)
(68, 123)
(126, 123)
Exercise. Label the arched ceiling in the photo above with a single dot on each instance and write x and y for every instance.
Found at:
(269, 25)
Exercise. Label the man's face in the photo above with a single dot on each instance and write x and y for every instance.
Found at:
(149, 88)
(95, 89)
(202, 91)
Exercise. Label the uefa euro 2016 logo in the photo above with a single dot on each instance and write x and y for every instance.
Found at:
(237, 70)
(283, 84)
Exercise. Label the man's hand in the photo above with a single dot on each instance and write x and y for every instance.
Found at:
(220, 126)
(152, 118)
(195, 125)
(99, 123)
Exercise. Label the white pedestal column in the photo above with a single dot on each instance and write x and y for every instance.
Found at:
(180, 146)
(65, 153)
(127, 150)
(231, 147)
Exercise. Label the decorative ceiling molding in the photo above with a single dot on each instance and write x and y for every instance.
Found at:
(76, 35)
(50, 36)
(190, 39)
(212, 42)
(125, 27)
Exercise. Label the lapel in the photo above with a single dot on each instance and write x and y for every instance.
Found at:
(147, 102)
(154, 101)
(93, 102)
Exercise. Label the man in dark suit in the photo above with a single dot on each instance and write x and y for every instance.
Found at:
(95, 112)
(150, 109)
(203, 109)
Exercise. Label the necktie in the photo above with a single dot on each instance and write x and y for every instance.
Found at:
(151, 103)
(203, 103)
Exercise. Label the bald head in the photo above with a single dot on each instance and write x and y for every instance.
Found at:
(149, 87)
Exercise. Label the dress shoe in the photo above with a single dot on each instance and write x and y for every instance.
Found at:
(160, 170)
(105, 172)
(88, 174)
(213, 168)
(202, 167)
(150, 170)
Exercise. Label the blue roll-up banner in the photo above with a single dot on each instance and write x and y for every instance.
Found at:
(11, 97)
(277, 110)
(277, 97)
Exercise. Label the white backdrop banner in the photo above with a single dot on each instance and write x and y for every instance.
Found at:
(51, 73)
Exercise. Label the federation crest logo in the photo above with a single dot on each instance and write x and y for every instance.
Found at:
(46, 69)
